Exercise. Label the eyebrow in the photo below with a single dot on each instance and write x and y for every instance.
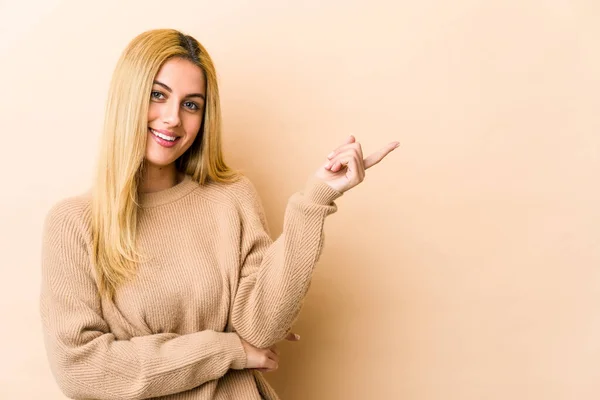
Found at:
(168, 89)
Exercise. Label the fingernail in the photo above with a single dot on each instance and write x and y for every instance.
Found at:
(397, 145)
(297, 336)
(331, 154)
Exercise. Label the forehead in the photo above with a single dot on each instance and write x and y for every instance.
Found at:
(182, 76)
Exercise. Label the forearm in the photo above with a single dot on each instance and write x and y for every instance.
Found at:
(269, 299)
(142, 367)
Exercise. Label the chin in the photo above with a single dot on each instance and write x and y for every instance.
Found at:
(158, 161)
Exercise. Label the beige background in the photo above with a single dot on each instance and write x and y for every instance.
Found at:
(466, 266)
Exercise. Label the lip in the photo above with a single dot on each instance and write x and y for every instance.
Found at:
(168, 133)
(161, 141)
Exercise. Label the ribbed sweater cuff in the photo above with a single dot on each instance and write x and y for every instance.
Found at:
(320, 192)
(233, 345)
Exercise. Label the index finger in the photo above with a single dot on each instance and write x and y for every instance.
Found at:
(376, 157)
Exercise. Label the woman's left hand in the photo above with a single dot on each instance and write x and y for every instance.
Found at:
(346, 166)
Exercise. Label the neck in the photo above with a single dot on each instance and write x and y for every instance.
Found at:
(155, 179)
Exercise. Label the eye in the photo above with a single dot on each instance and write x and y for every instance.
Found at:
(191, 105)
(156, 95)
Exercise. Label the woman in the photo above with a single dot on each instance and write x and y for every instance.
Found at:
(163, 280)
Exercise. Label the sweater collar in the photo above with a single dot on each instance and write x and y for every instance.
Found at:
(169, 195)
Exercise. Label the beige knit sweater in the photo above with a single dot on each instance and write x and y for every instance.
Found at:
(214, 275)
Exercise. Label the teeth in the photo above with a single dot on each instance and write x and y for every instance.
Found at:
(165, 137)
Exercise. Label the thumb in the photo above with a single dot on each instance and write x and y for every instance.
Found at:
(292, 337)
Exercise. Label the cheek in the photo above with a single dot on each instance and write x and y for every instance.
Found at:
(192, 124)
(153, 111)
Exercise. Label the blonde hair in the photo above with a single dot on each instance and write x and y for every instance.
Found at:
(123, 147)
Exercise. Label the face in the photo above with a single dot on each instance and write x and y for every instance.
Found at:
(176, 109)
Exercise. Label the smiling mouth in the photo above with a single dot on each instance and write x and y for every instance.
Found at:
(168, 138)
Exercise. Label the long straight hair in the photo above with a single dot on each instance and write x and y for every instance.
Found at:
(123, 147)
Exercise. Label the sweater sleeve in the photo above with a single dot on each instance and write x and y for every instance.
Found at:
(85, 357)
(275, 276)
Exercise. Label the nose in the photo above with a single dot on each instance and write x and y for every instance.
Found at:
(170, 114)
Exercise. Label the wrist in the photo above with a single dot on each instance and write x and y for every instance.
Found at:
(236, 346)
(320, 192)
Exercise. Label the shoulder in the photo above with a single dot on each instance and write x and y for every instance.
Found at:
(66, 239)
(69, 214)
(237, 193)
